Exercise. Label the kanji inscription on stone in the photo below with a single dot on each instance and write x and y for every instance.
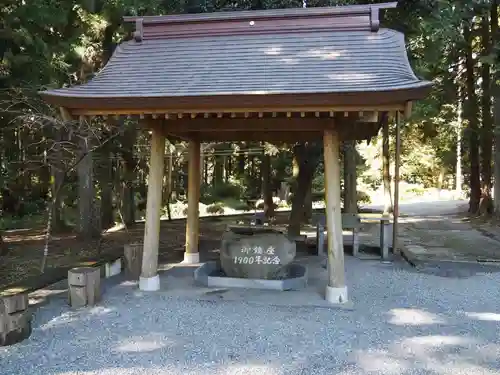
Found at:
(260, 255)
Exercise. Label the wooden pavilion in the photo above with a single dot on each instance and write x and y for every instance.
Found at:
(274, 75)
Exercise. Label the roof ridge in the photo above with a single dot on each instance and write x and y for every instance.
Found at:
(259, 14)
(352, 17)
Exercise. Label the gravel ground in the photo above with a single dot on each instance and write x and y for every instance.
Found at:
(403, 322)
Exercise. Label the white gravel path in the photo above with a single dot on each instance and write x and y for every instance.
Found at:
(403, 323)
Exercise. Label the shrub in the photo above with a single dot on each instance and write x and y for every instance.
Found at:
(283, 204)
(216, 208)
(212, 194)
(318, 182)
(362, 197)
(236, 204)
(417, 190)
(260, 203)
(318, 195)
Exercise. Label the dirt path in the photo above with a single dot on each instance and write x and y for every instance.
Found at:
(26, 246)
(443, 231)
(434, 226)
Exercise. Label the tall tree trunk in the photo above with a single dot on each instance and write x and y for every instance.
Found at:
(496, 106)
(386, 166)
(252, 166)
(128, 176)
(229, 167)
(202, 163)
(472, 118)
(350, 188)
(44, 188)
(266, 186)
(86, 192)
(3, 247)
(308, 204)
(218, 170)
(458, 173)
(167, 179)
(57, 170)
(205, 171)
(225, 173)
(241, 161)
(486, 206)
(106, 190)
(306, 160)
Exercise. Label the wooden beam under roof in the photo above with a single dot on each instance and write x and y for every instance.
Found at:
(249, 124)
(359, 131)
(240, 110)
(264, 124)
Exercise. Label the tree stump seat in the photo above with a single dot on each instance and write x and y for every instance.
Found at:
(15, 319)
(84, 286)
(132, 254)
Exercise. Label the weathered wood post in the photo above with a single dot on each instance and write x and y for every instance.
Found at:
(84, 286)
(320, 238)
(336, 290)
(15, 319)
(132, 255)
(149, 279)
(385, 226)
(191, 254)
(113, 268)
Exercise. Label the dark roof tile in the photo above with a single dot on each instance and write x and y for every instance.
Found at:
(286, 63)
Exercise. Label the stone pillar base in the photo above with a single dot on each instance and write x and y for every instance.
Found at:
(336, 295)
(191, 258)
(149, 284)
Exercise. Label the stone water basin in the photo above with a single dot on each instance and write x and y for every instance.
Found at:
(257, 257)
(211, 275)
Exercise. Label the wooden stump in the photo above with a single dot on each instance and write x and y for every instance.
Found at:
(113, 268)
(84, 285)
(133, 260)
(15, 319)
(384, 237)
(320, 239)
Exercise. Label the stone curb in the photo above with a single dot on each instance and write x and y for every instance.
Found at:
(202, 276)
(408, 254)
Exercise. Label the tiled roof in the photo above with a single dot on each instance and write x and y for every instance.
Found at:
(339, 61)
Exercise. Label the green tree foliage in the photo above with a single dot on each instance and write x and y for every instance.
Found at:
(51, 43)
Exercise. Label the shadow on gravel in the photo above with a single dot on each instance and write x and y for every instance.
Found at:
(389, 332)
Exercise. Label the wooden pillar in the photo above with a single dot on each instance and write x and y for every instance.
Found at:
(192, 223)
(336, 290)
(397, 161)
(149, 279)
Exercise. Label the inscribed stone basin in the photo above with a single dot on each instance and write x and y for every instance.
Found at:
(256, 252)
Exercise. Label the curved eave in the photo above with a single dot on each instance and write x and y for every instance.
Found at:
(369, 100)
